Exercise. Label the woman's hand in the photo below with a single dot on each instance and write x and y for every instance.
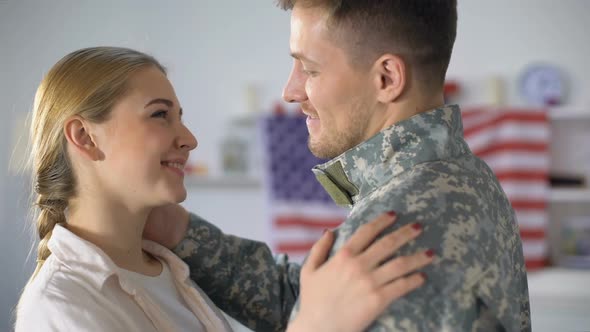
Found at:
(351, 289)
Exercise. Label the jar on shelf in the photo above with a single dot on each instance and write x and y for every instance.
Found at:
(235, 155)
(570, 234)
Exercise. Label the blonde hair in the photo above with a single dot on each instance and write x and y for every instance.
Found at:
(86, 83)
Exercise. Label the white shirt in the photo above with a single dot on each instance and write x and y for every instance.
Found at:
(79, 288)
(163, 292)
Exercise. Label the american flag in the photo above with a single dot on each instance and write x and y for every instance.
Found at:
(300, 209)
(514, 142)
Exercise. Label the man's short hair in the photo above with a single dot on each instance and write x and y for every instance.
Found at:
(421, 32)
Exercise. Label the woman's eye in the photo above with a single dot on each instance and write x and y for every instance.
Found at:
(160, 114)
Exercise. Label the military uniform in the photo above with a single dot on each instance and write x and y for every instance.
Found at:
(422, 169)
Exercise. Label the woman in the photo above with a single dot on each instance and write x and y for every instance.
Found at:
(109, 145)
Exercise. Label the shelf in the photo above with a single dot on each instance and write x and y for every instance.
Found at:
(566, 113)
(228, 181)
(569, 195)
(559, 282)
(248, 120)
(559, 299)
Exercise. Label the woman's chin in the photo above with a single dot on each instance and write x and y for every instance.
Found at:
(180, 197)
(175, 197)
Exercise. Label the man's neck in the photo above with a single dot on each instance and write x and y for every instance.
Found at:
(408, 107)
(361, 170)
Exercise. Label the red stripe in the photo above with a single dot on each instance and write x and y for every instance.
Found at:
(532, 234)
(519, 204)
(475, 111)
(314, 223)
(511, 147)
(505, 117)
(507, 175)
(535, 264)
(503, 110)
(294, 247)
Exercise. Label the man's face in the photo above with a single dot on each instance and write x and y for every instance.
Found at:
(338, 99)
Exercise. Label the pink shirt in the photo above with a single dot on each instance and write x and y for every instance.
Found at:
(79, 288)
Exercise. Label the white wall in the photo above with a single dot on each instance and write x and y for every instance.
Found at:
(3, 99)
(214, 48)
(502, 37)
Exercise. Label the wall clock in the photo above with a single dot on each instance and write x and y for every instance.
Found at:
(543, 85)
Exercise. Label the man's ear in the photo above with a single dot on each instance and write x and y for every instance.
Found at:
(390, 77)
(79, 136)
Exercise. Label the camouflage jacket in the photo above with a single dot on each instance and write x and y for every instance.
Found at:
(423, 169)
(241, 276)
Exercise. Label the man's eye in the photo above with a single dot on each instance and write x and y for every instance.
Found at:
(310, 72)
(160, 114)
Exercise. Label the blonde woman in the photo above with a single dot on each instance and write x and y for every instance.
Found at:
(109, 145)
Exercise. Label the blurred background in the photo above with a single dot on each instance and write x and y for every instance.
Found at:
(519, 69)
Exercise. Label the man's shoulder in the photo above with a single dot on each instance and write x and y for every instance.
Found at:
(465, 218)
(438, 185)
(468, 221)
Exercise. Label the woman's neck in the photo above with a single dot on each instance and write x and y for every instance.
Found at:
(116, 229)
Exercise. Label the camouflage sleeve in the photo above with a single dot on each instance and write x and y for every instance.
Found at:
(478, 279)
(470, 286)
(241, 276)
(449, 301)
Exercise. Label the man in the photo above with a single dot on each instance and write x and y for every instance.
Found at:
(369, 76)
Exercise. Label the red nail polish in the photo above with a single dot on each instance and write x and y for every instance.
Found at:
(423, 276)
(417, 226)
(391, 213)
(429, 252)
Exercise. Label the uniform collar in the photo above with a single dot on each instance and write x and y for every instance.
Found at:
(432, 135)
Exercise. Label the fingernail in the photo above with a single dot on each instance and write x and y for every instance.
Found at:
(391, 213)
(417, 226)
(429, 253)
(423, 276)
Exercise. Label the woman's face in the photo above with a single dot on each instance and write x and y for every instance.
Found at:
(145, 145)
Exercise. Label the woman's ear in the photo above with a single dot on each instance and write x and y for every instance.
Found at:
(78, 134)
(390, 77)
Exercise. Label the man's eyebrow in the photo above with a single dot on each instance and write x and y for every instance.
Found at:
(299, 56)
